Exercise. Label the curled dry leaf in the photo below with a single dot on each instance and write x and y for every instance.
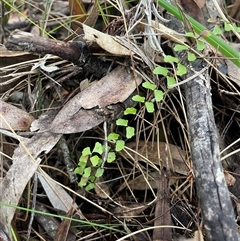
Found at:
(14, 117)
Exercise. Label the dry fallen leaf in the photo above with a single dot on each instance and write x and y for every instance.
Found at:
(58, 197)
(192, 8)
(101, 188)
(25, 163)
(150, 150)
(200, 3)
(11, 116)
(89, 108)
(141, 183)
(105, 41)
(230, 179)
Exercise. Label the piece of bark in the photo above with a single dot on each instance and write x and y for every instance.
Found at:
(216, 206)
(75, 52)
(213, 193)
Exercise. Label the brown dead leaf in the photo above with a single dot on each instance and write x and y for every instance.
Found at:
(76, 7)
(92, 14)
(14, 117)
(90, 21)
(16, 17)
(150, 151)
(25, 163)
(79, 121)
(101, 188)
(200, 3)
(58, 197)
(149, 180)
(115, 87)
(192, 8)
(230, 179)
(82, 112)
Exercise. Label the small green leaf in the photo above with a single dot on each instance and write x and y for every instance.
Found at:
(86, 151)
(200, 45)
(111, 156)
(87, 172)
(158, 95)
(112, 136)
(190, 34)
(130, 132)
(149, 106)
(83, 160)
(91, 178)
(217, 30)
(181, 69)
(138, 98)
(191, 56)
(170, 59)
(121, 122)
(130, 111)
(83, 182)
(180, 47)
(170, 81)
(89, 187)
(120, 144)
(94, 160)
(237, 29)
(78, 170)
(160, 70)
(227, 26)
(98, 148)
(148, 85)
(82, 166)
(99, 172)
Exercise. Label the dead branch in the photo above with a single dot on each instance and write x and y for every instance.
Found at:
(75, 52)
(216, 206)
